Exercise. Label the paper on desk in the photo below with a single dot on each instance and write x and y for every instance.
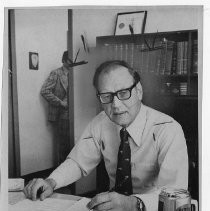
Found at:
(50, 204)
(14, 197)
(79, 205)
(16, 184)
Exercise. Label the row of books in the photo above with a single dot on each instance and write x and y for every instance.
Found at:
(166, 58)
(170, 88)
(175, 88)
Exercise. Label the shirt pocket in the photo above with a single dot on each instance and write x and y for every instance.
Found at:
(145, 172)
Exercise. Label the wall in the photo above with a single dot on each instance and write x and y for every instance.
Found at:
(43, 31)
(101, 22)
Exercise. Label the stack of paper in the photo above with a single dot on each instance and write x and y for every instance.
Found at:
(16, 184)
(51, 204)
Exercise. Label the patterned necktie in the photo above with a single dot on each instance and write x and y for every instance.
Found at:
(123, 183)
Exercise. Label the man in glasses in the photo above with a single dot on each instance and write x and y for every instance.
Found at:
(54, 90)
(143, 149)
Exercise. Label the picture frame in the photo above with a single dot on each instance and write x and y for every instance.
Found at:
(130, 23)
(33, 61)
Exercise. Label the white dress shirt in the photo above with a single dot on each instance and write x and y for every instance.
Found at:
(158, 154)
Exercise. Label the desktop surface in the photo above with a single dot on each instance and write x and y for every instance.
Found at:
(15, 197)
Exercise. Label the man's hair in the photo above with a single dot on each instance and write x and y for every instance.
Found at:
(108, 66)
(65, 56)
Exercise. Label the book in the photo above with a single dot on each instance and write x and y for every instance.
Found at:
(163, 56)
(137, 57)
(195, 57)
(185, 57)
(168, 62)
(111, 51)
(174, 59)
(104, 52)
(158, 61)
(153, 56)
(179, 69)
(116, 52)
(120, 54)
(130, 54)
(141, 66)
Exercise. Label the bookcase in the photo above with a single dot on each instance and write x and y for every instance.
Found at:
(168, 67)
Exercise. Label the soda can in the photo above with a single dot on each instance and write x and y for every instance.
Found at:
(171, 199)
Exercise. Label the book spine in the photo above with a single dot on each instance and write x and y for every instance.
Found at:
(125, 52)
(163, 58)
(141, 57)
(110, 52)
(195, 57)
(121, 51)
(174, 59)
(169, 57)
(105, 53)
(182, 57)
(136, 57)
(178, 70)
(152, 61)
(130, 54)
(185, 60)
(158, 61)
(145, 61)
(116, 52)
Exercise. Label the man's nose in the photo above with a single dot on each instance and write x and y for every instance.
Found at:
(116, 102)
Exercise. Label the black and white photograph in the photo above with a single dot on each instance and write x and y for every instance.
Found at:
(111, 118)
(33, 61)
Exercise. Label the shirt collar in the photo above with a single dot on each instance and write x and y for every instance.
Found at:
(136, 128)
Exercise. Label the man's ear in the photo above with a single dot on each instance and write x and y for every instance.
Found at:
(139, 90)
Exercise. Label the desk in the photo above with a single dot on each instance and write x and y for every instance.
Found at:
(14, 197)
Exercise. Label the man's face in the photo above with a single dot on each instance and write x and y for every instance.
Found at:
(66, 64)
(121, 112)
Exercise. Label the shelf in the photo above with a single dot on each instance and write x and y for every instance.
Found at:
(136, 38)
(194, 75)
(151, 74)
(177, 97)
(161, 70)
(180, 97)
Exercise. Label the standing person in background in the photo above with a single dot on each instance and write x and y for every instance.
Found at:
(55, 91)
(143, 149)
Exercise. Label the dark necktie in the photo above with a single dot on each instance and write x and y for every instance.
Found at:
(123, 182)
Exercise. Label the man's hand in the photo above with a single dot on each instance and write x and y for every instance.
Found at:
(113, 201)
(64, 104)
(47, 186)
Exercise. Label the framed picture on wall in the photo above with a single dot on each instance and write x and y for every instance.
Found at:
(33, 61)
(130, 23)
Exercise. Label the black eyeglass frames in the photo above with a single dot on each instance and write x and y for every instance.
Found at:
(123, 94)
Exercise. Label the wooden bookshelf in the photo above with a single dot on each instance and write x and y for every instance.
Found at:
(168, 66)
(163, 56)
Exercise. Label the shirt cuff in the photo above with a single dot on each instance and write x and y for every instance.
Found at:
(150, 200)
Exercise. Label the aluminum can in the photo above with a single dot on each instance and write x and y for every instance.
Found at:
(171, 199)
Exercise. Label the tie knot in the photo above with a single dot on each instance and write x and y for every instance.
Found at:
(124, 135)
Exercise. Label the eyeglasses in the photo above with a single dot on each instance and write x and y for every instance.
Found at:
(122, 94)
